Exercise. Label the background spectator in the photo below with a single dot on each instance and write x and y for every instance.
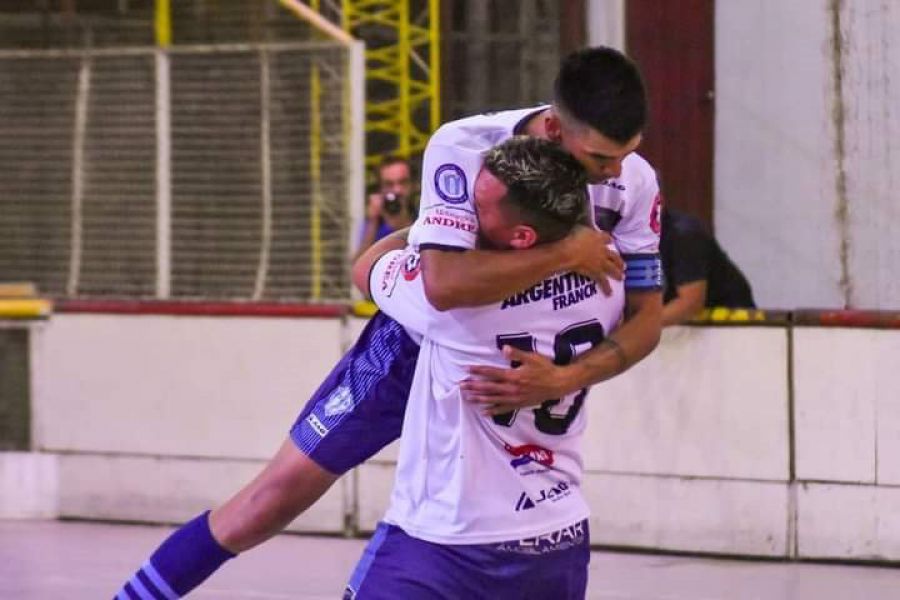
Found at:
(392, 207)
(697, 271)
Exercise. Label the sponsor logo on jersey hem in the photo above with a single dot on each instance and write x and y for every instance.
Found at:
(562, 539)
(555, 493)
(317, 425)
(524, 503)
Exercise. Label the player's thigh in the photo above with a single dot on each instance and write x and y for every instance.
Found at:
(359, 408)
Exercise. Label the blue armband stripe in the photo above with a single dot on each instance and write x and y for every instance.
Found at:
(643, 271)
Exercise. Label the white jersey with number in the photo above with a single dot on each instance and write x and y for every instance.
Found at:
(627, 207)
(466, 478)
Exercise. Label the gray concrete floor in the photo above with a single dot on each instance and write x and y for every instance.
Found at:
(44, 560)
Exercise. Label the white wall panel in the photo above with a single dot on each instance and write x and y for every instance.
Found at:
(171, 490)
(374, 483)
(188, 386)
(29, 485)
(871, 94)
(848, 521)
(709, 402)
(847, 387)
(774, 168)
(701, 515)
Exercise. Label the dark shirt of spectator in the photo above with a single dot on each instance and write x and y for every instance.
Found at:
(698, 273)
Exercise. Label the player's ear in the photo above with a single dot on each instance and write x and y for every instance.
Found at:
(523, 236)
(553, 127)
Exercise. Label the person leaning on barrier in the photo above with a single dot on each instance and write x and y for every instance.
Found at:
(392, 207)
(698, 273)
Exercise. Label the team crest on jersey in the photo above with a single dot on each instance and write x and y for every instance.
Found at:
(411, 267)
(339, 402)
(450, 183)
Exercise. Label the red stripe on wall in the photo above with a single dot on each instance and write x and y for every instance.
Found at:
(211, 309)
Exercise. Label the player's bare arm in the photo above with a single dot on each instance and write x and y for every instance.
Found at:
(455, 279)
(536, 378)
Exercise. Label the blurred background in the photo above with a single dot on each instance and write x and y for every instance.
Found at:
(183, 182)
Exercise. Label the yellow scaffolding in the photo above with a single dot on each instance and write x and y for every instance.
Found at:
(403, 63)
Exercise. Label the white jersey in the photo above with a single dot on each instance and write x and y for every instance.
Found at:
(627, 207)
(466, 478)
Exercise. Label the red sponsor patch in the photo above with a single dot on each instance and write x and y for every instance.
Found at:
(411, 267)
(655, 216)
(538, 454)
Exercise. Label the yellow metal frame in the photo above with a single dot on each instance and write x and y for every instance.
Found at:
(394, 64)
(162, 23)
(163, 33)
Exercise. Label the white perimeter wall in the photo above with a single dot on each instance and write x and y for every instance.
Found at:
(806, 162)
(145, 418)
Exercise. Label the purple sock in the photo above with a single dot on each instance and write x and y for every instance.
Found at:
(180, 564)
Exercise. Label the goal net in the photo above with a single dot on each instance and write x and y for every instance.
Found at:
(197, 172)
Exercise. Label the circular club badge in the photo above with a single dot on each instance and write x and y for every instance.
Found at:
(450, 184)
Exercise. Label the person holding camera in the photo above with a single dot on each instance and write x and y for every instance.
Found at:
(391, 208)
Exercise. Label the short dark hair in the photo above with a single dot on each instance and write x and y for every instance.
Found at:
(545, 184)
(392, 159)
(602, 88)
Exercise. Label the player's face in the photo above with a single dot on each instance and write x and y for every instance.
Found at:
(600, 156)
(396, 179)
(495, 227)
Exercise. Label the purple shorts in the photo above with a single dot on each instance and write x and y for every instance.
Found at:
(549, 567)
(358, 409)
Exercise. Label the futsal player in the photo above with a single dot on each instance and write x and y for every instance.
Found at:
(598, 114)
(491, 507)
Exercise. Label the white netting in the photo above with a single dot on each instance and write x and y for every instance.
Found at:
(258, 175)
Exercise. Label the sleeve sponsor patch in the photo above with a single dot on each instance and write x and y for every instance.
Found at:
(450, 219)
(450, 183)
(655, 214)
(388, 279)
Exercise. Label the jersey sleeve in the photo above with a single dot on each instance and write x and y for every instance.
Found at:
(396, 286)
(447, 217)
(637, 238)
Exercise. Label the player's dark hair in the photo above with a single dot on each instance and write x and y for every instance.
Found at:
(602, 88)
(545, 184)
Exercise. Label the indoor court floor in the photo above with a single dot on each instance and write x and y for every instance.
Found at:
(44, 560)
